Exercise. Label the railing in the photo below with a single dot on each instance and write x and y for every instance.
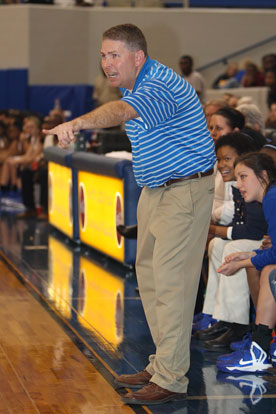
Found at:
(226, 58)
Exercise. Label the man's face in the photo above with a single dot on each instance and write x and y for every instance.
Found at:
(120, 65)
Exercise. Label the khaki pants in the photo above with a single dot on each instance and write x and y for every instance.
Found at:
(173, 223)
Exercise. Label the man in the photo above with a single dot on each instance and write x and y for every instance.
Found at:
(173, 160)
(186, 64)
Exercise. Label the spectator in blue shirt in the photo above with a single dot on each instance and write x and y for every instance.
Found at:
(173, 159)
(256, 180)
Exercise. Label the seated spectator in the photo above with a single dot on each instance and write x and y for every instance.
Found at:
(38, 174)
(3, 136)
(228, 78)
(270, 149)
(222, 122)
(256, 180)
(254, 123)
(270, 123)
(4, 116)
(228, 299)
(253, 116)
(270, 81)
(194, 78)
(231, 100)
(252, 76)
(225, 120)
(212, 106)
(12, 148)
(31, 141)
(268, 62)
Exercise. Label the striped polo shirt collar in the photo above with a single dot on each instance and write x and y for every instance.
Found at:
(145, 69)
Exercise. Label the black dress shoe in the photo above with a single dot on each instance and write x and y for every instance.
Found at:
(213, 332)
(224, 340)
(129, 232)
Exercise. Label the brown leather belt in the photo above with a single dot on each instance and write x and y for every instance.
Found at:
(189, 177)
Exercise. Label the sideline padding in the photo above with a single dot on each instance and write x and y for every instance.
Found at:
(103, 194)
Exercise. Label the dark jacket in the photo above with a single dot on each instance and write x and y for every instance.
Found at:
(248, 220)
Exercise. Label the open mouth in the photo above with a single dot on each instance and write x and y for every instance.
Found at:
(225, 173)
(111, 75)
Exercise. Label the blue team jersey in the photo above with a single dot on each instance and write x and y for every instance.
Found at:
(268, 256)
(170, 138)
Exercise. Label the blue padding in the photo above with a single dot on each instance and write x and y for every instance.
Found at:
(99, 164)
(59, 156)
(14, 89)
(131, 197)
(258, 4)
(74, 98)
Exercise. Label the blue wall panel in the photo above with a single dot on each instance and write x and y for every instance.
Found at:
(14, 89)
(15, 93)
(74, 98)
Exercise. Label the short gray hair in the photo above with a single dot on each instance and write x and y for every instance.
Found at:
(252, 115)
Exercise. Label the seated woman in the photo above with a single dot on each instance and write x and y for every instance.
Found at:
(31, 144)
(225, 120)
(256, 180)
(11, 146)
(228, 300)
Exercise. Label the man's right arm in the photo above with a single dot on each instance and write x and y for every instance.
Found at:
(108, 115)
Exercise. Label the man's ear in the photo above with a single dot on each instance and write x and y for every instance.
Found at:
(139, 57)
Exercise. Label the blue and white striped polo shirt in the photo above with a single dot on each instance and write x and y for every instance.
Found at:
(170, 139)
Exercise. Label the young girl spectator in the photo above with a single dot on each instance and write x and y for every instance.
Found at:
(228, 300)
(32, 145)
(256, 180)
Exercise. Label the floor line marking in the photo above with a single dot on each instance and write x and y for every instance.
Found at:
(19, 379)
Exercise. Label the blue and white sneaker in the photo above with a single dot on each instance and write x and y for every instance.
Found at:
(272, 352)
(250, 385)
(204, 323)
(254, 359)
(238, 347)
(228, 357)
(244, 343)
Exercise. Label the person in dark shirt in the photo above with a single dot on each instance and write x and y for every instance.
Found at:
(228, 300)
